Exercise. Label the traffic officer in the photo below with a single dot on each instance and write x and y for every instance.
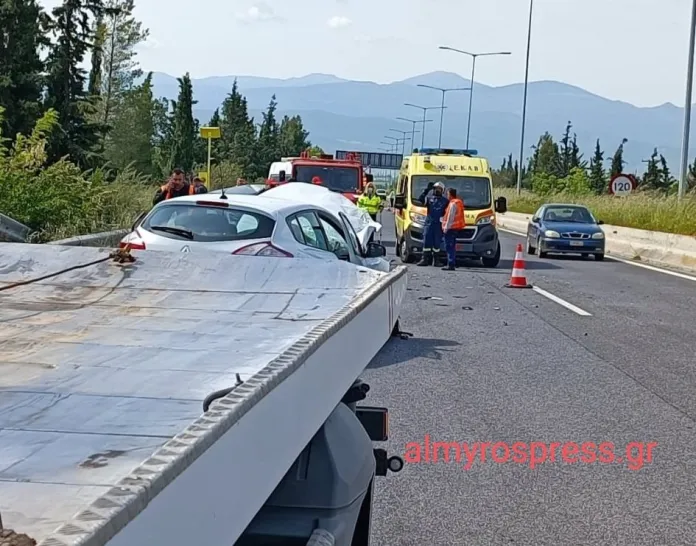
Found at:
(452, 224)
(176, 186)
(436, 204)
(370, 201)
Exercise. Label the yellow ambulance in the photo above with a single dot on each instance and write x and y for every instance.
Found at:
(471, 177)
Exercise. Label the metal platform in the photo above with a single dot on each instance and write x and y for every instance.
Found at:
(102, 366)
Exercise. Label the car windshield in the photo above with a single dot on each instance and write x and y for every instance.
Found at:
(575, 215)
(201, 223)
(474, 191)
(343, 179)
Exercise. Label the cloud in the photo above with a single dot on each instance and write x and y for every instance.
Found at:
(338, 21)
(258, 13)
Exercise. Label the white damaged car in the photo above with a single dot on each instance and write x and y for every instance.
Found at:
(253, 225)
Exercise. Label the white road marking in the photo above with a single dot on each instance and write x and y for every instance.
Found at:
(562, 302)
(653, 268)
(629, 262)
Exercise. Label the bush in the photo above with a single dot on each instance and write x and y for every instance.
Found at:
(640, 211)
(60, 200)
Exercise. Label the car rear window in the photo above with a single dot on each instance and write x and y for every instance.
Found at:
(208, 224)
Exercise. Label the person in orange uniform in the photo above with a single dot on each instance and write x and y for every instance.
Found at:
(452, 223)
(176, 186)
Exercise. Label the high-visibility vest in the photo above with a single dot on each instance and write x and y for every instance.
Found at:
(454, 215)
(371, 204)
(168, 194)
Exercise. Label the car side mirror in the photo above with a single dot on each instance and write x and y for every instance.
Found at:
(400, 202)
(600, 222)
(137, 220)
(501, 205)
(375, 250)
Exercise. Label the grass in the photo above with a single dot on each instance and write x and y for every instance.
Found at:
(640, 211)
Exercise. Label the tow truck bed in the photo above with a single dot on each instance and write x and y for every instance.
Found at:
(103, 370)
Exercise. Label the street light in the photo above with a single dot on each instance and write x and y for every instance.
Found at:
(403, 135)
(473, 56)
(425, 111)
(442, 111)
(687, 107)
(397, 141)
(413, 130)
(524, 97)
(390, 144)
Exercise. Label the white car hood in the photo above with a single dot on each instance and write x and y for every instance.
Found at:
(335, 202)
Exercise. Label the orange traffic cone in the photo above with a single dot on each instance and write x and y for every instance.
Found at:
(518, 278)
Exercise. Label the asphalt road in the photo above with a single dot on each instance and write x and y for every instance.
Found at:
(494, 364)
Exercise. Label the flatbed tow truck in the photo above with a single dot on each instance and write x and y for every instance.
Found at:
(188, 399)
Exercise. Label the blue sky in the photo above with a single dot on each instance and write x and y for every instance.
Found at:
(631, 50)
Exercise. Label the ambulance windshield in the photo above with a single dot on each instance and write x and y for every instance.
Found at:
(474, 191)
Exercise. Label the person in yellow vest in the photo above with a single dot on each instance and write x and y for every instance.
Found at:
(370, 201)
(452, 223)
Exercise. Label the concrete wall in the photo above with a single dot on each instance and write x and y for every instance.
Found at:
(652, 247)
(104, 239)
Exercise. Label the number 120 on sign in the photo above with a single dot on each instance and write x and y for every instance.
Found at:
(622, 184)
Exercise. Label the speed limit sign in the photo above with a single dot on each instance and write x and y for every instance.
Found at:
(622, 185)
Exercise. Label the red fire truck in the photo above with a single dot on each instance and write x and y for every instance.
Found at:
(346, 176)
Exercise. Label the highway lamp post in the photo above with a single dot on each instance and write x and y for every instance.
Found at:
(524, 97)
(425, 113)
(444, 91)
(396, 142)
(473, 56)
(684, 175)
(413, 130)
(404, 137)
(209, 133)
(392, 146)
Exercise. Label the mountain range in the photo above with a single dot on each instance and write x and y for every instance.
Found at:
(356, 115)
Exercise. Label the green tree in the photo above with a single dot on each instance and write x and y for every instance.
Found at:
(652, 177)
(314, 150)
(184, 137)
(132, 136)
(565, 152)
(119, 68)
(667, 181)
(268, 146)
(66, 90)
(546, 157)
(22, 29)
(95, 74)
(598, 180)
(617, 161)
(163, 141)
(576, 183)
(238, 139)
(293, 138)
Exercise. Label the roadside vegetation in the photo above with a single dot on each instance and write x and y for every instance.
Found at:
(84, 152)
(558, 172)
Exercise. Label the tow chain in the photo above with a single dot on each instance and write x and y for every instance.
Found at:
(119, 256)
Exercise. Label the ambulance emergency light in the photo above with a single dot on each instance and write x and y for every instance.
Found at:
(446, 151)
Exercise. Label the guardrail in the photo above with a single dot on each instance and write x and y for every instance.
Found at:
(650, 247)
(104, 239)
(12, 230)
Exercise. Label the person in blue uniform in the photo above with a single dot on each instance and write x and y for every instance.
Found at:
(436, 203)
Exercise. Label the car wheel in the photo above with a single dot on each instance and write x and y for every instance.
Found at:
(530, 249)
(405, 253)
(599, 257)
(541, 253)
(494, 261)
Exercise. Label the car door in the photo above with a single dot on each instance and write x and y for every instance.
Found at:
(534, 226)
(400, 215)
(380, 264)
(307, 230)
(338, 242)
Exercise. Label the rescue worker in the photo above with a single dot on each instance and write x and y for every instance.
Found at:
(452, 224)
(370, 201)
(241, 182)
(436, 204)
(176, 186)
(316, 181)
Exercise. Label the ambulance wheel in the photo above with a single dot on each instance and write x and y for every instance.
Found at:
(405, 253)
(494, 261)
